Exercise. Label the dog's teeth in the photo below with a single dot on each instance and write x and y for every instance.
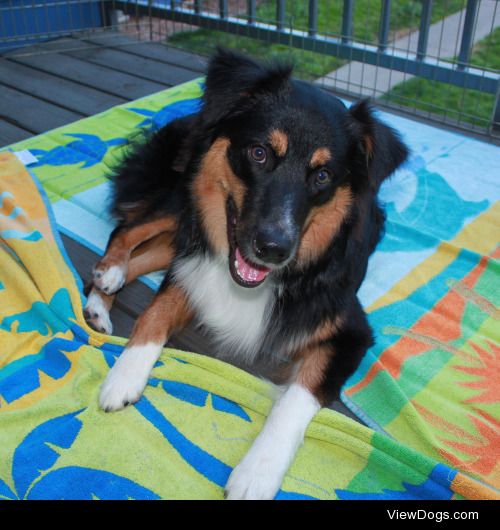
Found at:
(236, 264)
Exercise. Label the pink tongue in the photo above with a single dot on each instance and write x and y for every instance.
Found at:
(247, 271)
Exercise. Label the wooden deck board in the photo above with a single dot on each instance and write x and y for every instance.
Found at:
(159, 52)
(64, 93)
(141, 66)
(48, 85)
(99, 77)
(10, 134)
(31, 113)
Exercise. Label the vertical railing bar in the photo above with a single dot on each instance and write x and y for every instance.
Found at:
(80, 9)
(458, 36)
(13, 24)
(313, 18)
(463, 113)
(280, 14)
(347, 13)
(438, 57)
(3, 33)
(92, 18)
(173, 8)
(24, 20)
(385, 17)
(468, 32)
(47, 18)
(251, 11)
(57, 17)
(375, 91)
(495, 122)
(447, 90)
(223, 9)
(423, 34)
(104, 15)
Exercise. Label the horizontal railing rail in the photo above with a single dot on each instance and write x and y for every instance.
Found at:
(453, 72)
(419, 55)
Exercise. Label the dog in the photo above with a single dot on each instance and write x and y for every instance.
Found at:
(263, 209)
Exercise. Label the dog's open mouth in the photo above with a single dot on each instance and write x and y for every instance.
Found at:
(243, 272)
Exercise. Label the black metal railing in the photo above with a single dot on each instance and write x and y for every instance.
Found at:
(456, 71)
(410, 56)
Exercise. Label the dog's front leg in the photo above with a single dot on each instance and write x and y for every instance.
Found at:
(125, 382)
(324, 367)
(110, 273)
(260, 473)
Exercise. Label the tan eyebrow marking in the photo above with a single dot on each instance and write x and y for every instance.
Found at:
(279, 142)
(320, 157)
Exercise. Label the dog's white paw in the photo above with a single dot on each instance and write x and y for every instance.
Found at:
(121, 387)
(97, 315)
(127, 379)
(261, 472)
(255, 478)
(110, 280)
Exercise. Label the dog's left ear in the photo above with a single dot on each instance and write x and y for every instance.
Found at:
(234, 82)
(383, 149)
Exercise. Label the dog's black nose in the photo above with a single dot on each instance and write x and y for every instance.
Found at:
(272, 245)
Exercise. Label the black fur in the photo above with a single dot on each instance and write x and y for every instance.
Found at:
(243, 101)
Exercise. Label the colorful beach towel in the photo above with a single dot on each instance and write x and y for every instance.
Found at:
(431, 381)
(195, 422)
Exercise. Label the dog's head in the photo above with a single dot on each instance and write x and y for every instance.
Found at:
(285, 165)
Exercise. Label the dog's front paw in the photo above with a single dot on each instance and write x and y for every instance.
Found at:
(97, 315)
(125, 382)
(109, 278)
(255, 478)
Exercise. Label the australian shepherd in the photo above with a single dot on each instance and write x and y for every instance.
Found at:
(263, 209)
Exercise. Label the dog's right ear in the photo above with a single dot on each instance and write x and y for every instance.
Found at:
(234, 82)
(380, 145)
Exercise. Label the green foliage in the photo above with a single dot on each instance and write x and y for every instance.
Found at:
(405, 14)
(438, 98)
(469, 106)
(309, 65)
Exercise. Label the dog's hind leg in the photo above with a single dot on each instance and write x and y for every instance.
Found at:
(152, 255)
(110, 273)
(168, 312)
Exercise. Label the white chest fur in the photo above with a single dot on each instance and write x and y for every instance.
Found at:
(237, 316)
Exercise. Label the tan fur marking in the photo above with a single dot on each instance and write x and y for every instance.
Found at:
(136, 235)
(128, 239)
(211, 187)
(320, 157)
(168, 312)
(315, 360)
(287, 371)
(152, 255)
(322, 224)
(279, 142)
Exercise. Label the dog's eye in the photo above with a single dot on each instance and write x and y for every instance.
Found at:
(322, 179)
(258, 153)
